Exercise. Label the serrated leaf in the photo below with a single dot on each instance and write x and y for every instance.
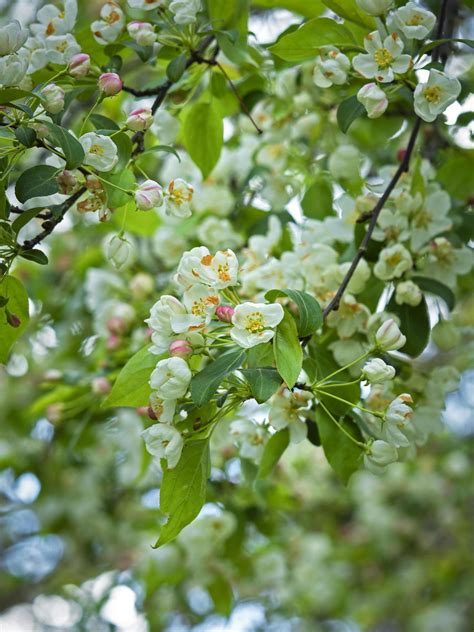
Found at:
(263, 382)
(205, 383)
(71, 147)
(305, 42)
(287, 350)
(272, 452)
(12, 289)
(131, 388)
(343, 455)
(310, 315)
(36, 182)
(183, 490)
(203, 135)
(348, 111)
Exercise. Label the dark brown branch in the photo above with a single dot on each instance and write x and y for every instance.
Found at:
(50, 224)
(243, 105)
(403, 167)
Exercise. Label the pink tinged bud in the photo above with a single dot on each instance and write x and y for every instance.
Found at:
(66, 182)
(224, 313)
(142, 410)
(148, 195)
(110, 83)
(12, 319)
(101, 386)
(113, 342)
(53, 98)
(117, 325)
(180, 348)
(79, 65)
(140, 119)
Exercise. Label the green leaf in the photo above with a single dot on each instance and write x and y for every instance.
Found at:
(165, 148)
(325, 365)
(303, 7)
(125, 180)
(35, 255)
(183, 490)
(310, 316)
(263, 382)
(12, 289)
(436, 287)
(349, 10)
(287, 350)
(71, 147)
(176, 68)
(414, 324)
(24, 218)
(203, 135)
(103, 122)
(124, 148)
(348, 111)
(36, 182)
(455, 173)
(221, 593)
(205, 383)
(305, 42)
(343, 455)
(272, 452)
(317, 202)
(142, 223)
(435, 43)
(131, 387)
(26, 135)
(12, 94)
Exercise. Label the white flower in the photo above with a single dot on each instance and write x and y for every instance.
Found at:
(377, 371)
(60, 49)
(375, 7)
(445, 262)
(12, 37)
(164, 442)
(167, 245)
(398, 414)
(142, 32)
(53, 98)
(389, 337)
(250, 437)
(200, 302)
(199, 266)
(430, 219)
(349, 318)
(185, 10)
(100, 151)
(110, 25)
(382, 60)
(254, 323)
(344, 163)
(408, 293)
(161, 315)
(118, 251)
(412, 21)
(379, 456)
(434, 96)
(53, 21)
(218, 232)
(393, 262)
(288, 409)
(163, 409)
(178, 198)
(373, 99)
(148, 195)
(144, 5)
(13, 69)
(171, 378)
(331, 67)
(139, 119)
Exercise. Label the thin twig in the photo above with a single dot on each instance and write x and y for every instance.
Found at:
(243, 105)
(403, 167)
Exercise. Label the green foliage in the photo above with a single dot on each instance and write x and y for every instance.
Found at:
(415, 324)
(349, 10)
(317, 202)
(131, 387)
(287, 350)
(310, 316)
(263, 382)
(205, 383)
(183, 490)
(13, 292)
(343, 454)
(115, 185)
(348, 111)
(203, 135)
(273, 451)
(71, 148)
(436, 287)
(36, 182)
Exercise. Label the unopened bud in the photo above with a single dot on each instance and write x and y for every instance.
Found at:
(142, 32)
(117, 325)
(12, 319)
(445, 335)
(148, 195)
(224, 313)
(110, 83)
(140, 119)
(53, 98)
(389, 337)
(180, 348)
(79, 65)
(66, 182)
(101, 386)
(113, 342)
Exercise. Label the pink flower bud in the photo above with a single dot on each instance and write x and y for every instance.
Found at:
(113, 342)
(110, 83)
(148, 195)
(79, 65)
(117, 325)
(224, 313)
(142, 410)
(140, 119)
(101, 386)
(180, 348)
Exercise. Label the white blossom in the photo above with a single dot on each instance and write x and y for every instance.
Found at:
(171, 377)
(142, 32)
(199, 266)
(288, 410)
(434, 96)
(13, 69)
(161, 315)
(112, 21)
(254, 323)
(393, 262)
(377, 371)
(375, 7)
(383, 60)
(164, 442)
(12, 37)
(178, 198)
(331, 67)
(412, 21)
(100, 151)
(185, 10)
(389, 337)
(408, 293)
(148, 195)
(373, 99)
(380, 455)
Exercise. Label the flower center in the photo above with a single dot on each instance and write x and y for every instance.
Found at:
(255, 323)
(223, 272)
(112, 17)
(383, 57)
(394, 259)
(50, 29)
(415, 20)
(432, 94)
(61, 47)
(97, 150)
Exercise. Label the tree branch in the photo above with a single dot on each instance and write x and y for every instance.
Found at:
(403, 167)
